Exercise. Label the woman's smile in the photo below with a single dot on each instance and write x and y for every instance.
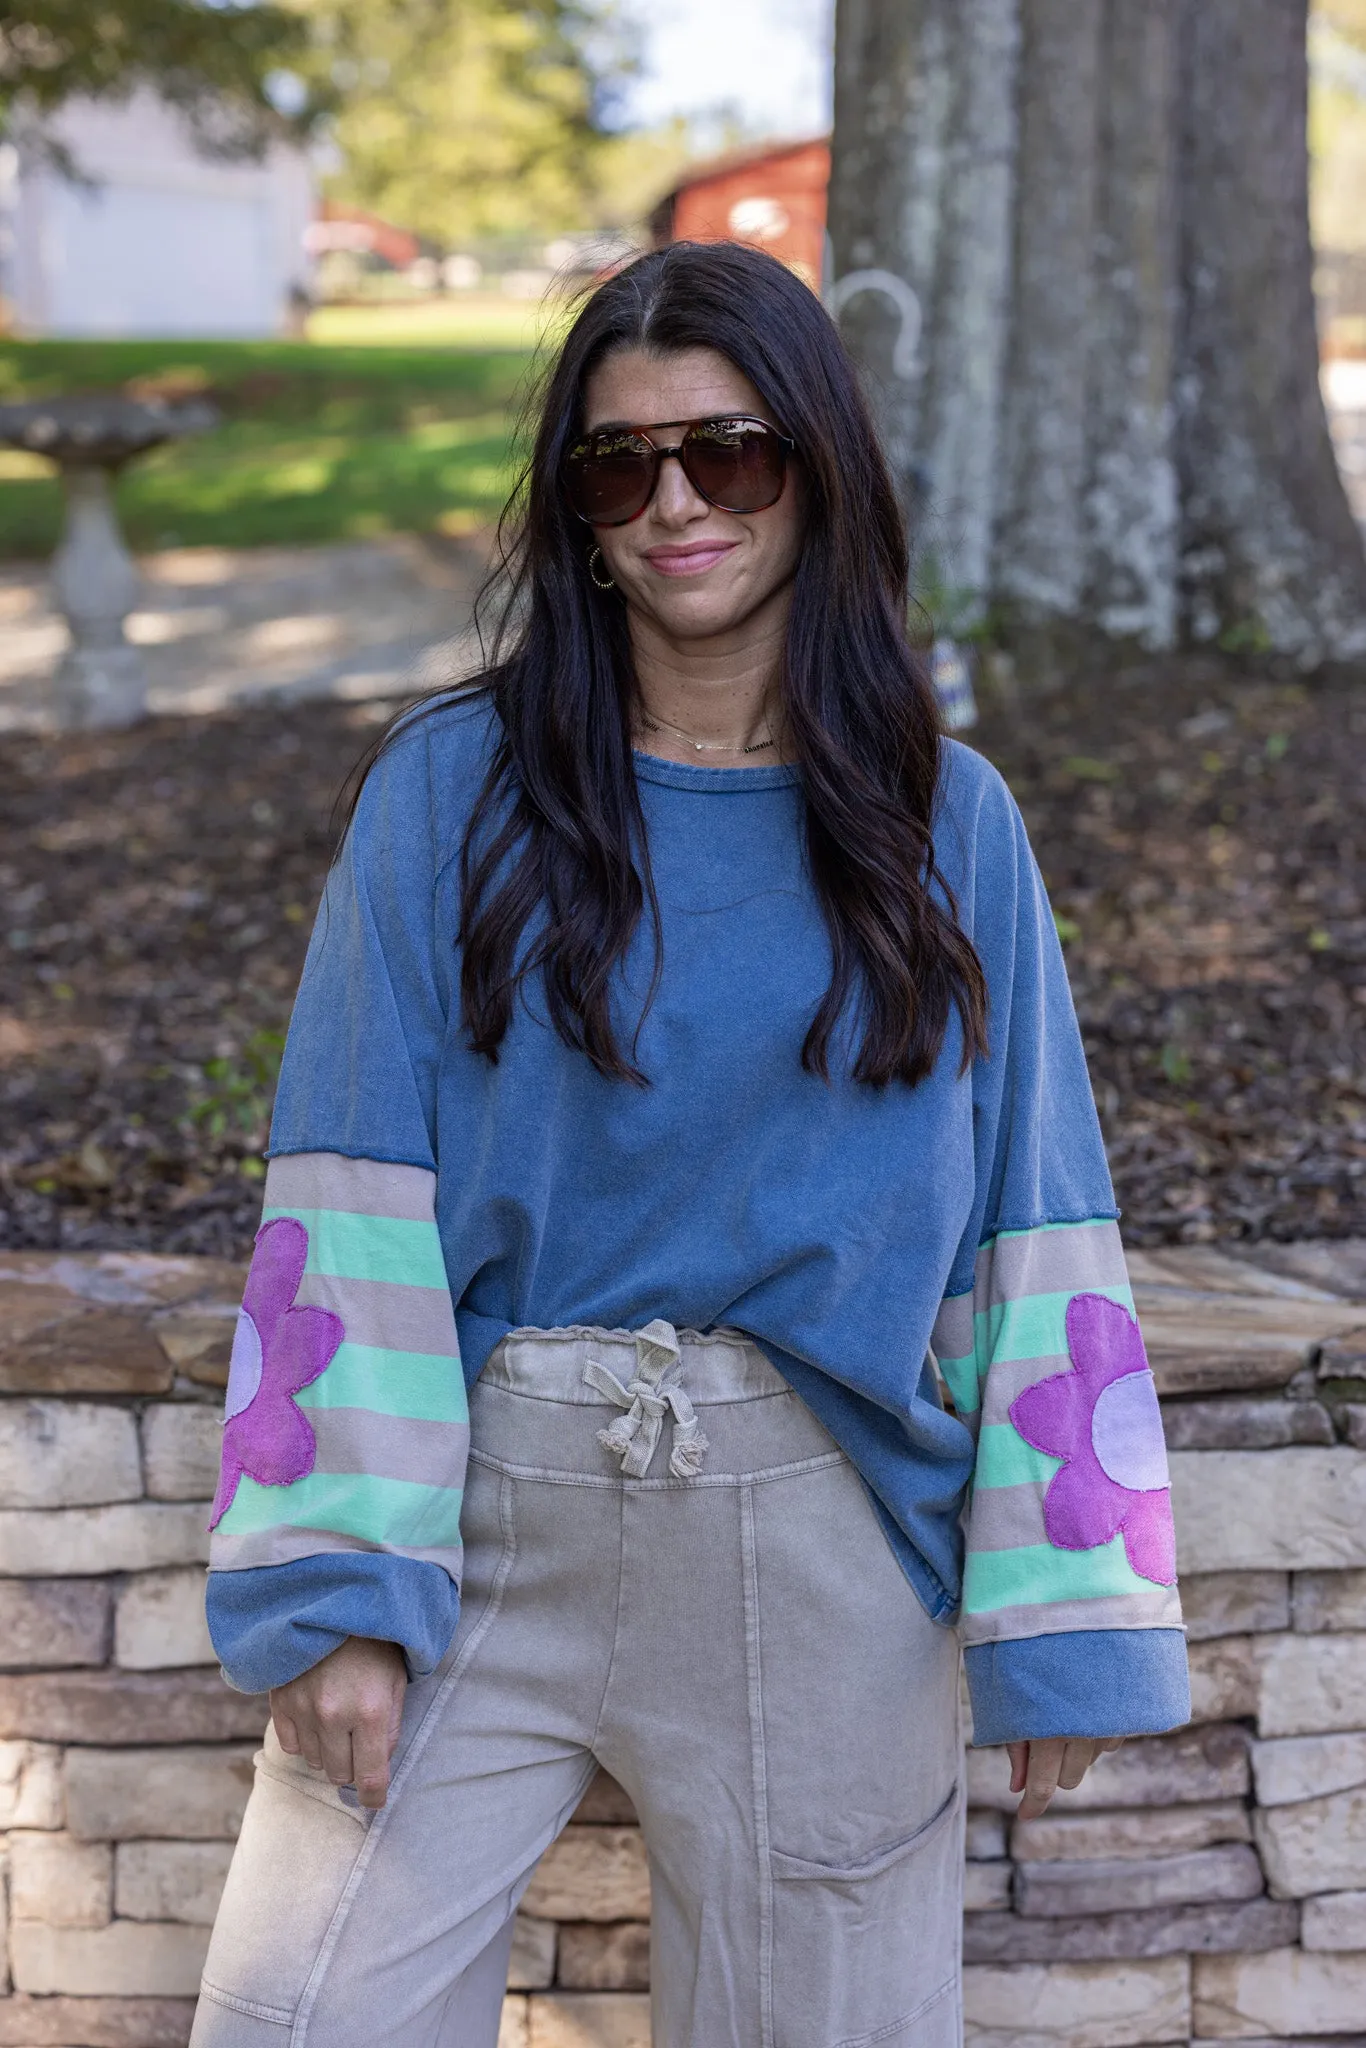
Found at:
(690, 557)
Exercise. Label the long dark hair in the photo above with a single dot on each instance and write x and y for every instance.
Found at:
(557, 838)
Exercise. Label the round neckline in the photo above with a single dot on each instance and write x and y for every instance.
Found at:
(686, 775)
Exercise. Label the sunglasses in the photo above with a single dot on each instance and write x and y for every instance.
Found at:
(735, 463)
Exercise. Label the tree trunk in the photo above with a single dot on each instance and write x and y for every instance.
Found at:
(926, 183)
(1040, 549)
(1096, 211)
(1269, 549)
(1131, 501)
(891, 102)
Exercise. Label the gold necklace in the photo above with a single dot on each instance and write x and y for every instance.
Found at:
(700, 746)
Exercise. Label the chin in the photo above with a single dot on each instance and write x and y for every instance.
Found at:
(703, 610)
(702, 622)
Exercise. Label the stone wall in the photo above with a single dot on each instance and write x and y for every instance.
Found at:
(1206, 1887)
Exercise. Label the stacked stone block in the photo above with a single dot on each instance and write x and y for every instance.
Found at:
(125, 1761)
(1206, 1887)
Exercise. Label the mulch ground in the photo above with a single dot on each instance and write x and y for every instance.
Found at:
(1203, 835)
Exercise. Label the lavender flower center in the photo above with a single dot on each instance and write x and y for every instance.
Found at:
(244, 1367)
(1126, 1433)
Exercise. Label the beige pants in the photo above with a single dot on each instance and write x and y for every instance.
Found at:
(732, 1638)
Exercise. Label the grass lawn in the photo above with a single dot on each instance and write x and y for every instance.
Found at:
(469, 320)
(352, 433)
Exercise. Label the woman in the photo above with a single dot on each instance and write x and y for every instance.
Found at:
(685, 1047)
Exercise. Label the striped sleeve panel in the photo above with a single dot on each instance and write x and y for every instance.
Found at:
(347, 1426)
(1070, 1513)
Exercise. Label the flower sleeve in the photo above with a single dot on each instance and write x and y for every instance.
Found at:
(1071, 1621)
(346, 1429)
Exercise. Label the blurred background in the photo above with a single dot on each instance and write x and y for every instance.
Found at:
(275, 281)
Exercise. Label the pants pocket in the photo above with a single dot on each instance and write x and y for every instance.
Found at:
(298, 1845)
(868, 1951)
(301, 1835)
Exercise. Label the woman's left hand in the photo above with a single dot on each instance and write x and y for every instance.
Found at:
(1038, 1768)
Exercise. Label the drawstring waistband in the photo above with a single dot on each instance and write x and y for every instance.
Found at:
(654, 1390)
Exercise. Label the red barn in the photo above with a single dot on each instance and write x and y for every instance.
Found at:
(773, 198)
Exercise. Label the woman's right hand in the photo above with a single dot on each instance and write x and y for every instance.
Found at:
(1040, 1768)
(343, 1716)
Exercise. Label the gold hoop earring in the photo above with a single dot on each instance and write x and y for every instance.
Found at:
(596, 557)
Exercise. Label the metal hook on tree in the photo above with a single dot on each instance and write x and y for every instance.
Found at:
(906, 352)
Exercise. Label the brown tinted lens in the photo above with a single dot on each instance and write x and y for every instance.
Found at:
(609, 478)
(739, 465)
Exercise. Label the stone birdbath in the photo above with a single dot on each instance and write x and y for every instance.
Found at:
(102, 679)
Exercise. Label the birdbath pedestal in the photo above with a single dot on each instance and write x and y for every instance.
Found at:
(102, 679)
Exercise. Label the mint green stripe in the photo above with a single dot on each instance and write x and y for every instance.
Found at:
(395, 1512)
(413, 1383)
(349, 1247)
(1038, 1575)
(1005, 1459)
(960, 1376)
(1035, 1326)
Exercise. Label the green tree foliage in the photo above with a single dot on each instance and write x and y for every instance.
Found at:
(1337, 124)
(466, 120)
(1347, 17)
(215, 61)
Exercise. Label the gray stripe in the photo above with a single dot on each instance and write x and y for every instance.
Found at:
(361, 1187)
(386, 1313)
(954, 1335)
(282, 1544)
(390, 1446)
(1069, 1259)
(1047, 1261)
(1004, 1517)
(1159, 1609)
(1012, 1376)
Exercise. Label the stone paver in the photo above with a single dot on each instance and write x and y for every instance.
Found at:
(218, 626)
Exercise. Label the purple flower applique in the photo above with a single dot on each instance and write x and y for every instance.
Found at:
(1102, 1419)
(277, 1350)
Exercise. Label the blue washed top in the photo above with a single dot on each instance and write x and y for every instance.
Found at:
(881, 1245)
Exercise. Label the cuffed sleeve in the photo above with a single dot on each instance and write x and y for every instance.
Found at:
(273, 1623)
(1071, 1620)
(1093, 1682)
(346, 1428)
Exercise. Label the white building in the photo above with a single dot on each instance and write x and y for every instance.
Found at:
(153, 237)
